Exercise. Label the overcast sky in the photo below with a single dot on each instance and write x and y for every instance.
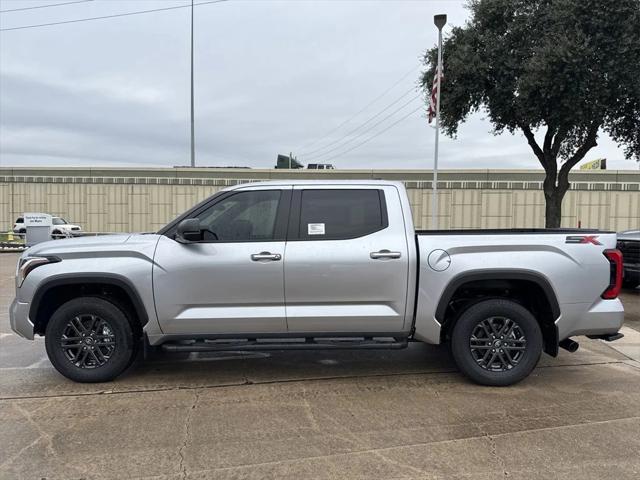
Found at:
(271, 77)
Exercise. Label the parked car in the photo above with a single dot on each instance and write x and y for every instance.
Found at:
(18, 226)
(629, 245)
(60, 228)
(320, 166)
(318, 265)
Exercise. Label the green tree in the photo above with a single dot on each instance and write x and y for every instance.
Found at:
(560, 71)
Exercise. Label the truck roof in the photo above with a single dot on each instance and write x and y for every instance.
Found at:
(287, 182)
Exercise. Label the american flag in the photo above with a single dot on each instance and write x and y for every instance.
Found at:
(433, 101)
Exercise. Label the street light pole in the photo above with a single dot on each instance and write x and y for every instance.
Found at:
(440, 21)
(193, 135)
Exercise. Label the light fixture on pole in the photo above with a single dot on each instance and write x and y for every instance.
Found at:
(440, 21)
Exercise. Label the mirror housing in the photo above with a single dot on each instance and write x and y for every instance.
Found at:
(189, 231)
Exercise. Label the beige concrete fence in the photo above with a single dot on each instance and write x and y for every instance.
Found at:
(119, 200)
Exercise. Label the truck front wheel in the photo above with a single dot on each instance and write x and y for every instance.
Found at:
(89, 339)
(496, 342)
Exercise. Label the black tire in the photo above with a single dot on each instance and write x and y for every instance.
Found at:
(56, 235)
(112, 347)
(515, 355)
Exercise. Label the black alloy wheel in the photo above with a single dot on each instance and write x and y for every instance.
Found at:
(88, 341)
(497, 344)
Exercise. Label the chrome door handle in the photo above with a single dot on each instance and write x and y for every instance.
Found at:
(384, 254)
(256, 257)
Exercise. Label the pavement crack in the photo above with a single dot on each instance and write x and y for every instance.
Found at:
(186, 438)
(43, 435)
(493, 448)
(247, 382)
(308, 410)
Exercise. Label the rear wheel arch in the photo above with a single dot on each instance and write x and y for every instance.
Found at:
(55, 292)
(530, 289)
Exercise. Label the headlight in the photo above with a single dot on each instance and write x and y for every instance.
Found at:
(27, 264)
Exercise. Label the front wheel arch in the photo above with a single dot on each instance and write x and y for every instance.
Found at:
(51, 294)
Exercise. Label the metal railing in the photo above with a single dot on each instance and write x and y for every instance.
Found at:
(10, 241)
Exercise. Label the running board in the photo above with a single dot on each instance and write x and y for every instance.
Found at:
(309, 343)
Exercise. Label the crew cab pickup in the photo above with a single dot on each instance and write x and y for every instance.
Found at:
(317, 265)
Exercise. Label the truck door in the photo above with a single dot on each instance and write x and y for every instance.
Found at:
(233, 282)
(347, 264)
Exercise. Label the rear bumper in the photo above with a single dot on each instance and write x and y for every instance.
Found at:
(19, 319)
(603, 317)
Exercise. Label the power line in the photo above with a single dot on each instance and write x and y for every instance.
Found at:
(366, 131)
(376, 135)
(311, 152)
(359, 111)
(44, 6)
(139, 12)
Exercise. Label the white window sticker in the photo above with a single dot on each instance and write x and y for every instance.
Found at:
(315, 228)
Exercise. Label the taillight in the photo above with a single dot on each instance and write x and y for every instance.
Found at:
(615, 276)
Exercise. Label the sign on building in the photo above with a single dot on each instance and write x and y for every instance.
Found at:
(38, 226)
(598, 164)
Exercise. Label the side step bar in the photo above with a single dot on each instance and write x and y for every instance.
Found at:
(309, 343)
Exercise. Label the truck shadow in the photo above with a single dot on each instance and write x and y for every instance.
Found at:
(280, 365)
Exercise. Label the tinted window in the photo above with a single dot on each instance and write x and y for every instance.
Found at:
(58, 221)
(335, 214)
(20, 220)
(244, 216)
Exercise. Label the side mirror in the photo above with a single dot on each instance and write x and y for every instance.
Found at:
(189, 231)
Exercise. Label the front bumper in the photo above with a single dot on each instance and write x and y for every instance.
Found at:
(19, 319)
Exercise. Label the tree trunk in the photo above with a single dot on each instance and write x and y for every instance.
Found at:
(553, 208)
(556, 183)
(555, 186)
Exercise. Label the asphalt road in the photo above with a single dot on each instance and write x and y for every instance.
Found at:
(363, 415)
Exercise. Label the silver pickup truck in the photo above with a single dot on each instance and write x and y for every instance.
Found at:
(317, 265)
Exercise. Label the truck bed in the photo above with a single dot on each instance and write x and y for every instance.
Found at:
(510, 231)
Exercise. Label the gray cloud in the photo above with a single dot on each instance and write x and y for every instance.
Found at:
(270, 77)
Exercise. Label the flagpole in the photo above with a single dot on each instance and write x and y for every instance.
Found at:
(193, 135)
(440, 21)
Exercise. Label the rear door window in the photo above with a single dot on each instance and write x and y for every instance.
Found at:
(341, 214)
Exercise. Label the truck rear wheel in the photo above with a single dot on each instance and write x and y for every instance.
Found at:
(496, 342)
(89, 339)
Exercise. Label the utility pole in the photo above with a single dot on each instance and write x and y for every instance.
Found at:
(290, 156)
(440, 21)
(193, 135)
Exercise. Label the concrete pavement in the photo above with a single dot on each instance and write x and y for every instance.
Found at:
(334, 414)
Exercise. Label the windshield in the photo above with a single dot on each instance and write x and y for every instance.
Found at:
(59, 221)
